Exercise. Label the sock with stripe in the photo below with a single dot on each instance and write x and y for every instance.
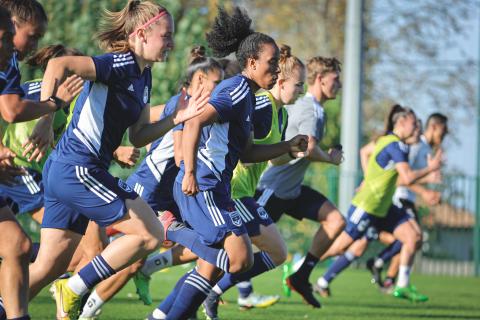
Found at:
(261, 263)
(340, 264)
(94, 302)
(303, 273)
(191, 240)
(167, 303)
(194, 290)
(90, 275)
(245, 288)
(388, 253)
(157, 262)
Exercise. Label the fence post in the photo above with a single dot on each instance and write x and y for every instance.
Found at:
(476, 231)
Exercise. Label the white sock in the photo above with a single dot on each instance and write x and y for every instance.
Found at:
(77, 285)
(217, 290)
(94, 303)
(157, 262)
(403, 276)
(378, 263)
(158, 314)
(322, 282)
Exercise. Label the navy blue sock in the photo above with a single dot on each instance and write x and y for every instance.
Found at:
(35, 248)
(389, 252)
(245, 288)
(167, 304)
(261, 263)
(27, 317)
(306, 268)
(340, 264)
(191, 240)
(194, 290)
(94, 272)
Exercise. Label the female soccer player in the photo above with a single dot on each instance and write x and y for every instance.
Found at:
(213, 143)
(372, 205)
(78, 187)
(280, 187)
(269, 123)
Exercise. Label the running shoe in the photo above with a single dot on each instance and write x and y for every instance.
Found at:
(142, 282)
(304, 289)
(257, 301)
(210, 306)
(68, 302)
(376, 272)
(409, 293)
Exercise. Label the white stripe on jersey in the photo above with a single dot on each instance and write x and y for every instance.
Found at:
(116, 65)
(27, 184)
(34, 91)
(262, 105)
(244, 212)
(157, 160)
(94, 185)
(238, 88)
(239, 96)
(33, 183)
(216, 148)
(90, 122)
(3, 75)
(263, 199)
(356, 215)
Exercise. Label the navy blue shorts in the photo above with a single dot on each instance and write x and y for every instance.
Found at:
(26, 194)
(253, 215)
(360, 222)
(156, 197)
(75, 194)
(305, 206)
(211, 214)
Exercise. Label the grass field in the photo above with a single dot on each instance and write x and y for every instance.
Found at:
(353, 298)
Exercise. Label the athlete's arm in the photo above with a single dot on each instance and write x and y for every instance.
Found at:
(431, 197)
(264, 152)
(365, 153)
(143, 132)
(155, 112)
(407, 176)
(190, 139)
(177, 146)
(316, 154)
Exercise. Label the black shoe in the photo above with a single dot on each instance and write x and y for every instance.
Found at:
(376, 272)
(304, 289)
(210, 305)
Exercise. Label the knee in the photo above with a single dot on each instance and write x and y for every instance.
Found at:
(241, 263)
(90, 252)
(135, 267)
(20, 247)
(334, 222)
(151, 243)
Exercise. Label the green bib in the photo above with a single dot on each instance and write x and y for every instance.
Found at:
(245, 176)
(379, 184)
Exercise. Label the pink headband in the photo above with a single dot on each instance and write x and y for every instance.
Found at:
(149, 22)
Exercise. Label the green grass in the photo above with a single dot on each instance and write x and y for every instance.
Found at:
(353, 298)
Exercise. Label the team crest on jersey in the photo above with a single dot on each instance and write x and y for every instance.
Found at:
(124, 186)
(236, 219)
(145, 95)
(262, 213)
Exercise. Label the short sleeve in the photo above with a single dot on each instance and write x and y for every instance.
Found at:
(103, 67)
(304, 120)
(12, 79)
(398, 151)
(262, 118)
(222, 102)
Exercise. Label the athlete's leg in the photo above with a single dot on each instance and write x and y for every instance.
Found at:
(37, 215)
(15, 249)
(91, 245)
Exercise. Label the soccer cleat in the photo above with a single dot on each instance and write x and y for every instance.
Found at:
(210, 306)
(287, 271)
(88, 318)
(388, 285)
(409, 293)
(257, 301)
(142, 282)
(376, 272)
(323, 292)
(68, 302)
(167, 218)
(304, 289)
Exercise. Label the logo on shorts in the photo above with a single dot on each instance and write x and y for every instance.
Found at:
(236, 219)
(124, 186)
(262, 213)
(145, 95)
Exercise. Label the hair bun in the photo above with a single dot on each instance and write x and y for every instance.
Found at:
(132, 4)
(197, 53)
(285, 52)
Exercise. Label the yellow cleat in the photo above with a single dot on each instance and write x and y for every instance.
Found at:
(257, 301)
(68, 302)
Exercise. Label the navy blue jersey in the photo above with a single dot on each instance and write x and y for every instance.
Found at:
(262, 118)
(392, 154)
(222, 143)
(104, 110)
(12, 78)
(32, 89)
(3, 80)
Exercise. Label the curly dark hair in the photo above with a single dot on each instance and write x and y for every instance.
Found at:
(232, 33)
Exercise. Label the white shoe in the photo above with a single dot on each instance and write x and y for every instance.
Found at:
(257, 301)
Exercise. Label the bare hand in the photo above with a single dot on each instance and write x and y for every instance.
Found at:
(434, 177)
(431, 197)
(190, 108)
(126, 156)
(40, 140)
(69, 89)
(435, 162)
(298, 145)
(336, 156)
(8, 171)
(189, 184)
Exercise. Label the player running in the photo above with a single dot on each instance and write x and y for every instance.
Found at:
(280, 187)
